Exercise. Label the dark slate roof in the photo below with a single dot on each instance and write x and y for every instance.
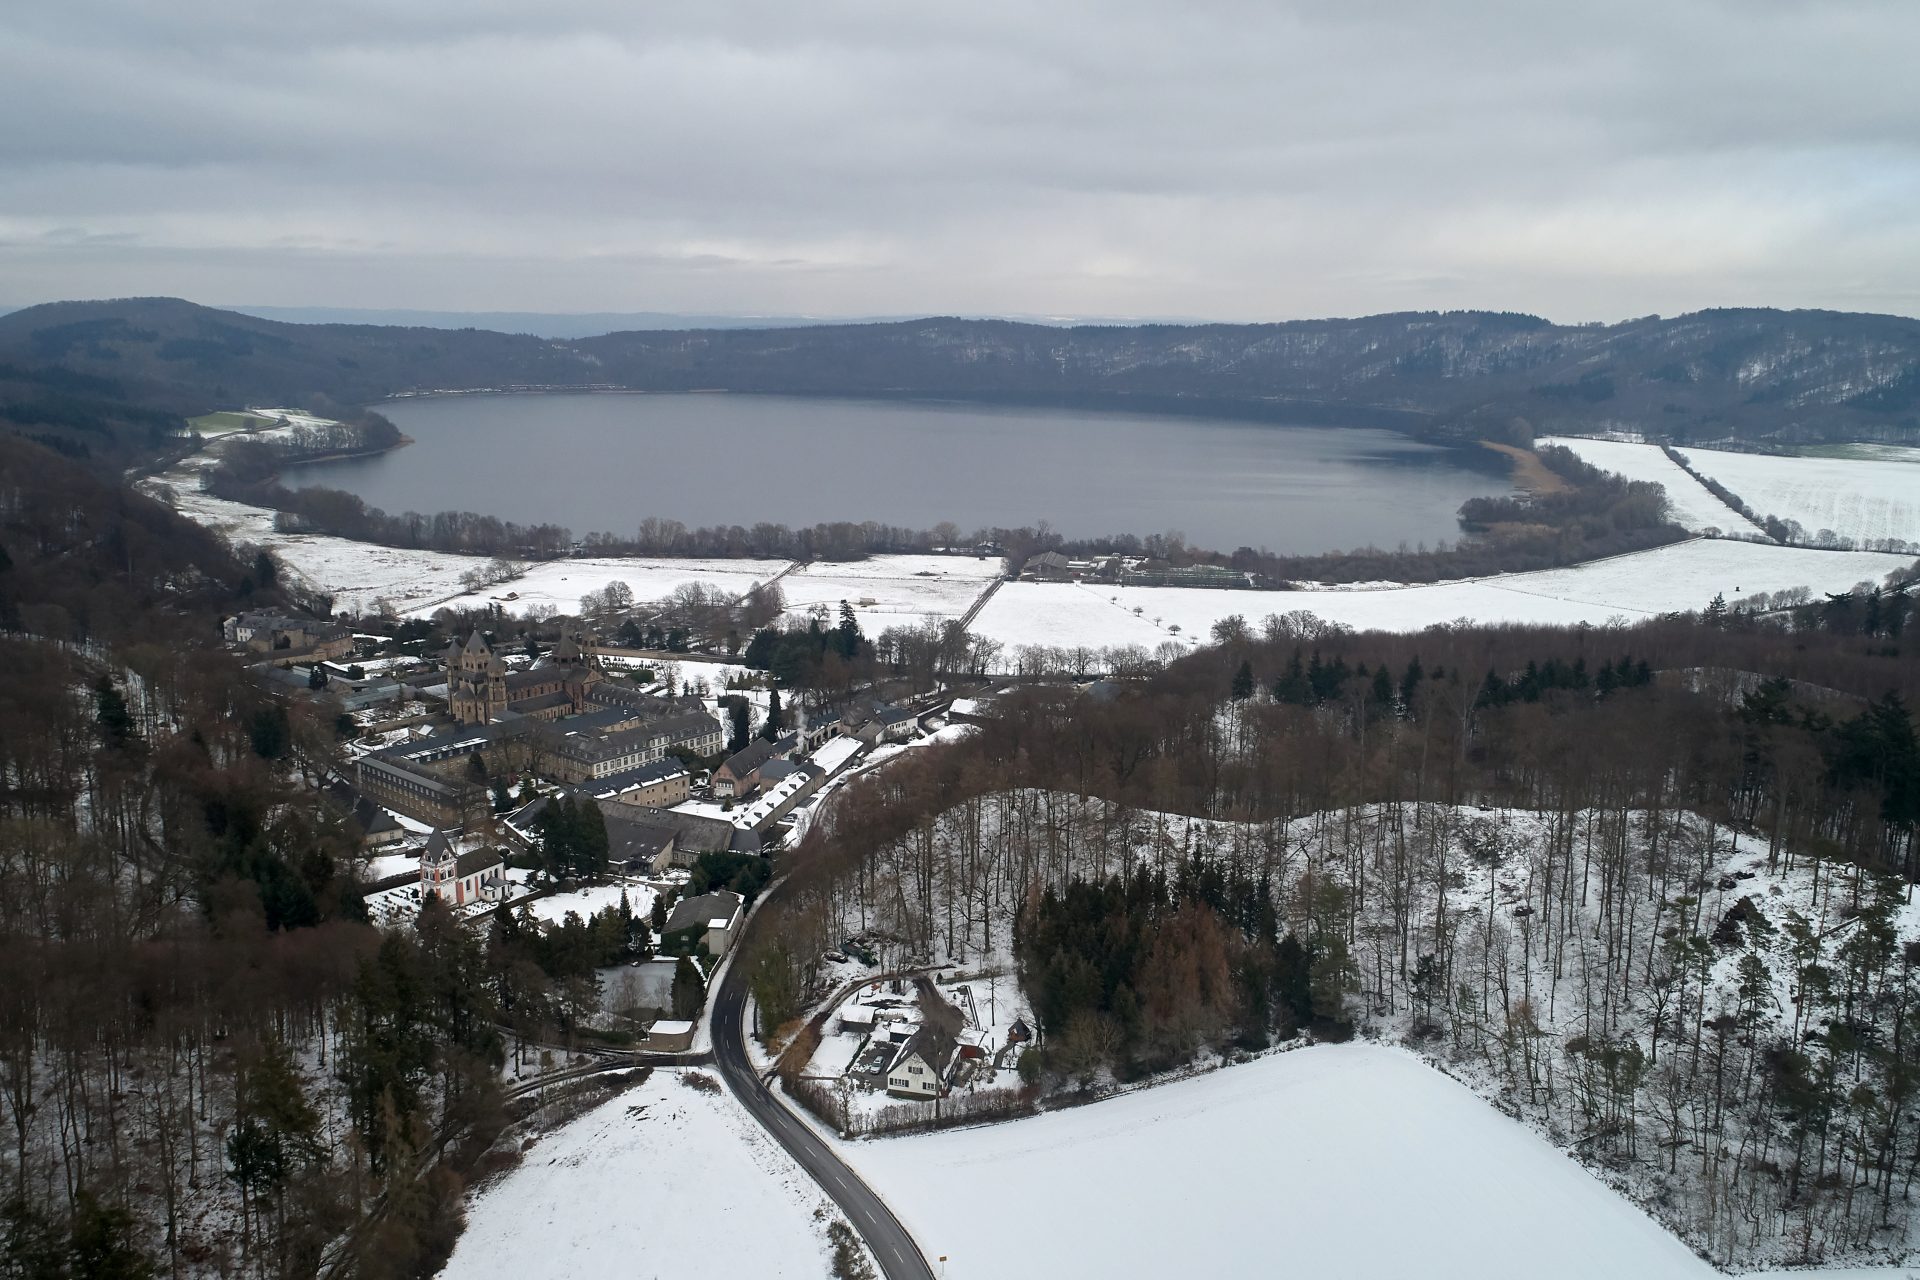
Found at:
(774, 770)
(595, 721)
(529, 676)
(684, 727)
(748, 758)
(629, 840)
(694, 831)
(934, 1046)
(694, 913)
(615, 693)
(476, 861)
(558, 698)
(630, 779)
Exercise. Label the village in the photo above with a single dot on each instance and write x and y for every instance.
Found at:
(463, 757)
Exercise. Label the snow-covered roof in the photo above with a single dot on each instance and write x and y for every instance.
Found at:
(671, 1027)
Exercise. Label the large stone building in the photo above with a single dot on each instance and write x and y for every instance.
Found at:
(481, 688)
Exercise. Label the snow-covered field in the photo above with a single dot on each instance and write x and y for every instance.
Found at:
(590, 901)
(1690, 504)
(561, 583)
(1685, 575)
(1341, 1160)
(890, 591)
(660, 1181)
(1867, 501)
(355, 574)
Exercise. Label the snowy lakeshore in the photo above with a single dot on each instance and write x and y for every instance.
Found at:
(905, 590)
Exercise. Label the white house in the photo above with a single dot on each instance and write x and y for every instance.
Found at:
(921, 1065)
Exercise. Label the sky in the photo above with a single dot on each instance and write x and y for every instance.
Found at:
(1222, 160)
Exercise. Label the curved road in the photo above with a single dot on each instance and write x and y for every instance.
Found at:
(892, 1247)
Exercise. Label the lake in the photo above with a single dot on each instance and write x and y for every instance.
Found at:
(607, 461)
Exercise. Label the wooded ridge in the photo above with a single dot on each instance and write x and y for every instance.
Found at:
(1750, 375)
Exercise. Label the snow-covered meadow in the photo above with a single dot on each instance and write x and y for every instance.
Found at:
(1347, 1160)
(1866, 501)
(1690, 504)
(1340, 1160)
(664, 1180)
(889, 591)
(589, 902)
(1684, 576)
(560, 584)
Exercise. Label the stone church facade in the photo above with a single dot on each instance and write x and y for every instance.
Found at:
(481, 689)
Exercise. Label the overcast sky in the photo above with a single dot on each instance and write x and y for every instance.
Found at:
(1260, 160)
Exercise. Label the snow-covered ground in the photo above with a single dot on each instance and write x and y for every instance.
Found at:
(561, 583)
(889, 591)
(355, 574)
(1690, 504)
(1686, 575)
(661, 1181)
(1867, 501)
(1341, 1160)
(590, 901)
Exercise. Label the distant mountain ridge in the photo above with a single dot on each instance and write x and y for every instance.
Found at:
(1750, 374)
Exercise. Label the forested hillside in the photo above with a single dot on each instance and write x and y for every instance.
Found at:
(210, 1064)
(1747, 375)
(1644, 897)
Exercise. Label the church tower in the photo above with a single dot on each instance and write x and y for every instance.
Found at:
(476, 681)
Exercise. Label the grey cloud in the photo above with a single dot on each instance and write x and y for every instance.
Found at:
(1235, 159)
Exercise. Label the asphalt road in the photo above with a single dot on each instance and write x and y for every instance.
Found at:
(892, 1247)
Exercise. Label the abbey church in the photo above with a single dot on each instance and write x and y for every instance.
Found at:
(481, 689)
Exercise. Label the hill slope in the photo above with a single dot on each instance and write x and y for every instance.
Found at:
(1751, 374)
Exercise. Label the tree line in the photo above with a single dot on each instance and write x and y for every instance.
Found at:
(1521, 849)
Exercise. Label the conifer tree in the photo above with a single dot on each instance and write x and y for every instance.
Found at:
(689, 992)
(1243, 682)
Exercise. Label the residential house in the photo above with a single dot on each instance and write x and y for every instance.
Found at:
(718, 913)
(922, 1065)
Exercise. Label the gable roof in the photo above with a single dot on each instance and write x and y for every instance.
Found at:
(475, 861)
(700, 912)
(933, 1046)
(748, 758)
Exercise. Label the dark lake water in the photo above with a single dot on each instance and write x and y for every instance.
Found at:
(605, 462)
